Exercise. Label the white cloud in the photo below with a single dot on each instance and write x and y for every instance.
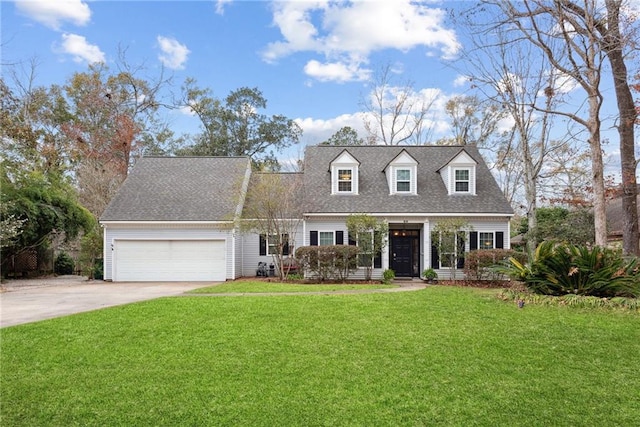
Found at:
(347, 33)
(80, 49)
(336, 71)
(460, 80)
(316, 131)
(173, 53)
(220, 5)
(436, 123)
(53, 13)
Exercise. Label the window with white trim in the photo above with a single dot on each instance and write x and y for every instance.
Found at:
(365, 245)
(448, 245)
(325, 238)
(448, 249)
(485, 241)
(345, 180)
(462, 180)
(269, 244)
(403, 180)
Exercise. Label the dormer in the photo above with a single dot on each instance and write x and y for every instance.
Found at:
(344, 174)
(459, 175)
(402, 174)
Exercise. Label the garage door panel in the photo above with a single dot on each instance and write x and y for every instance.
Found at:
(169, 260)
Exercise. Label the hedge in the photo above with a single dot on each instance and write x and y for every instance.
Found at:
(481, 264)
(335, 262)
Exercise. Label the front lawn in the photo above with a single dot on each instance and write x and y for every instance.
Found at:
(440, 356)
(259, 286)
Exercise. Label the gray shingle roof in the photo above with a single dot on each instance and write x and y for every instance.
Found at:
(180, 189)
(290, 184)
(374, 194)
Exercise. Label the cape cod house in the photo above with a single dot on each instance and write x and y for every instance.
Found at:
(173, 219)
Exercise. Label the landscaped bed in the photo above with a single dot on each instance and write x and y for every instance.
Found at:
(440, 356)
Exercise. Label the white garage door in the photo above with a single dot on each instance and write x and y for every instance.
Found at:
(169, 260)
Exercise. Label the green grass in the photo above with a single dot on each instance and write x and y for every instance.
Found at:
(257, 286)
(440, 356)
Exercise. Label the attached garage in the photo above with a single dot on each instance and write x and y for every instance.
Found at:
(169, 260)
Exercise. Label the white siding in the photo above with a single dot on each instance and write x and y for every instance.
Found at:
(164, 232)
(480, 225)
(338, 224)
(251, 251)
(238, 254)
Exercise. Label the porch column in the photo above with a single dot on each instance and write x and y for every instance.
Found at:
(426, 246)
(385, 252)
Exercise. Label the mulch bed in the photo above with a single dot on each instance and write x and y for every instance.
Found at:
(488, 284)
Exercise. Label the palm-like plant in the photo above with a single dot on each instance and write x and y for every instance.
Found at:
(560, 269)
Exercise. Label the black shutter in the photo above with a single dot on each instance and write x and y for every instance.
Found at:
(263, 245)
(377, 260)
(473, 241)
(313, 238)
(339, 237)
(460, 241)
(285, 244)
(435, 259)
(499, 240)
(352, 241)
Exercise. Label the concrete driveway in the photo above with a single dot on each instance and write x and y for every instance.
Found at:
(25, 301)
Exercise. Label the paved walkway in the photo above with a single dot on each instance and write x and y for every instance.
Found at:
(26, 301)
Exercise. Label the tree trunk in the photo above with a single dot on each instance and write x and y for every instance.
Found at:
(531, 196)
(599, 210)
(626, 107)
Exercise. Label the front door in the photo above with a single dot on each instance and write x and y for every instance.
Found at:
(402, 255)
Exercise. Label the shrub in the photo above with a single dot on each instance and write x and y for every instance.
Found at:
(334, 262)
(388, 275)
(482, 264)
(561, 269)
(430, 274)
(98, 269)
(64, 264)
(295, 276)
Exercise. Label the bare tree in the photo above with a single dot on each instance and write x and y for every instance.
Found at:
(614, 44)
(273, 210)
(515, 76)
(574, 54)
(396, 114)
(473, 121)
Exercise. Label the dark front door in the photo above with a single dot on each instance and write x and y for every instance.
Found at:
(402, 256)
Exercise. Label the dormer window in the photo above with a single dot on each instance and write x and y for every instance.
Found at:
(345, 180)
(403, 180)
(402, 173)
(344, 174)
(459, 174)
(462, 180)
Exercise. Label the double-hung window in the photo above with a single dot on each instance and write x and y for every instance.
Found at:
(462, 180)
(365, 246)
(485, 240)
(269, 245)
(403, 180)
(325, 238)
(448, 249)
(345, 180)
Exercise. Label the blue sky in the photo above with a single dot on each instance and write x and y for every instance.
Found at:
(314, 61)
